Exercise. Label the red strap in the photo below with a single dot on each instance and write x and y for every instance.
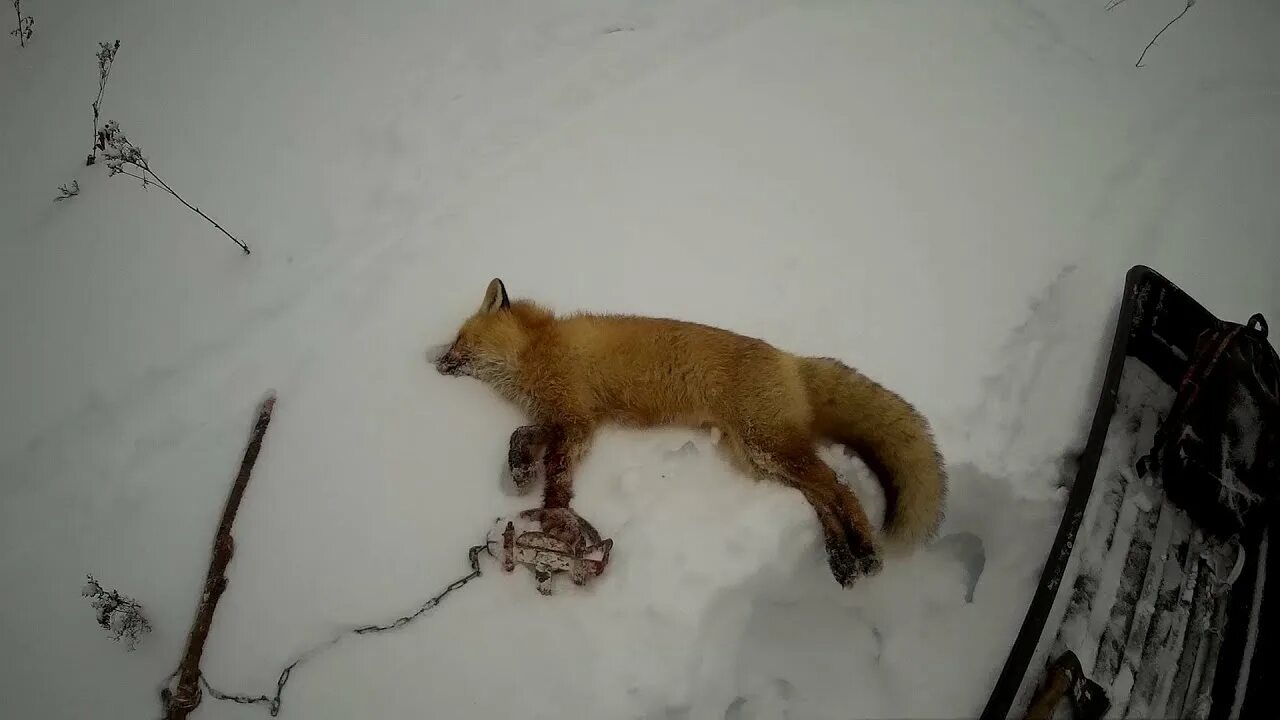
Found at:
(1202, 366)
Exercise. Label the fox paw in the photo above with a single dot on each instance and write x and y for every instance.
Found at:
(849, 564)
(526, 457)
(564, 525)
(526, 475)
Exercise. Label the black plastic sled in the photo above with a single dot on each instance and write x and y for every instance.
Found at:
(1154, 601)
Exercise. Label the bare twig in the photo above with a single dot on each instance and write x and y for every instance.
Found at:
(68, 190)
(122, 155)
(25, 24)
(186, 695)
(106, 57)
(1166, 27)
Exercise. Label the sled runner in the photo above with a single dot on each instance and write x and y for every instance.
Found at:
(1154, 601)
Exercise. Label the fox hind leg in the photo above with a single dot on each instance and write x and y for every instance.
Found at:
(857, 527)
(850, 542)
(851, 548)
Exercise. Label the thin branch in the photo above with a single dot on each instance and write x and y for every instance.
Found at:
(146, 182)
(25, 24)
(197, 210)
(106, 58)
(69, 190)
(186, 696)
(121, 154)
(1166, 27)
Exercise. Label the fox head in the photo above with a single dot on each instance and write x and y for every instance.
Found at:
(487, 346)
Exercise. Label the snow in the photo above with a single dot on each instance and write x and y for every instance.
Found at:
(943, 195)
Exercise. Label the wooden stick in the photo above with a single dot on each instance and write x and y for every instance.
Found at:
(186, 696)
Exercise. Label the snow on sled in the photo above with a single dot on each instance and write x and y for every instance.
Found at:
(1154, 601)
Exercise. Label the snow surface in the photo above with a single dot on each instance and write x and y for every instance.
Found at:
(945, 195)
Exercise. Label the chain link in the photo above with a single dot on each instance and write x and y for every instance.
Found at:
(273, 703)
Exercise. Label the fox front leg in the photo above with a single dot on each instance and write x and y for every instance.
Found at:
(555, 450)
(551, 452)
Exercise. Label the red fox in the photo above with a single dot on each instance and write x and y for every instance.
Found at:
(573, 373)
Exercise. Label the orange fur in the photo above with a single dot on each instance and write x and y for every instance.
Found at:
(573, 373)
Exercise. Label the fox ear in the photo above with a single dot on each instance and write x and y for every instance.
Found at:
(495, 297)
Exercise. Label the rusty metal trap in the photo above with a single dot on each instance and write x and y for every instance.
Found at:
(546, 555)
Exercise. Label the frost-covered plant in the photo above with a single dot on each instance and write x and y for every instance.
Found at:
(125, 158)
(119, 614)
(25, 23)
(69, 190)
(106, 56)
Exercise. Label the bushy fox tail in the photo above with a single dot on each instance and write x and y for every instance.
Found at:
(891, 437)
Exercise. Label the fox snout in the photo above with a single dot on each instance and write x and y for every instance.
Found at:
(449, 366)
(447, 361)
